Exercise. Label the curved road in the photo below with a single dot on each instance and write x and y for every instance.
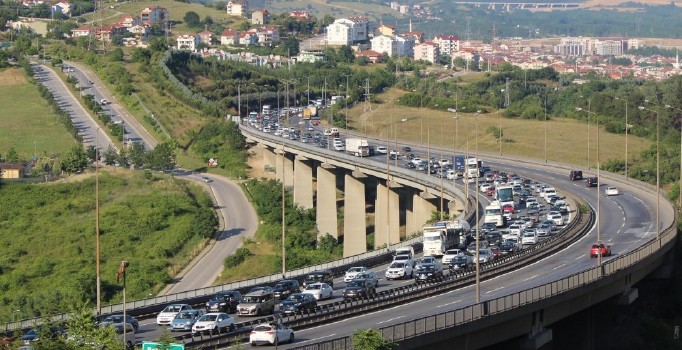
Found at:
(237, 216)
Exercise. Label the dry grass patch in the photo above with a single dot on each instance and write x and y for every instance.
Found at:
(10, 77)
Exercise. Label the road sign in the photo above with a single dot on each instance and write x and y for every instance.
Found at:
(154, 346)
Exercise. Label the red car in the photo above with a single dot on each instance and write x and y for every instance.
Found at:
(490, 191)
(497, 253)
(600, 246)
(508, 209)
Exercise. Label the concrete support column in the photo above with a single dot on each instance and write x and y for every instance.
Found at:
(303, 182)
(422, 208)
(327, 221)
(455, 207)
(381, 223)
(354, 223)
(289, 170)
(410, 222)
(539, 335)
(269, 157)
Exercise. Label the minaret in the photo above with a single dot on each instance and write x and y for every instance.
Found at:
(677, 59)
(410, 25)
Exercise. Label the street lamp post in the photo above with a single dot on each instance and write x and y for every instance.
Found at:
(679, 194)
(97, 248)
(346, 99)
(626, 134)
(658, 163)
(545, 124)
(478, 263)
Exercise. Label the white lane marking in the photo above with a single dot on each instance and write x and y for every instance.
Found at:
(389, 320)
(494, 290)
(580, 257)
(530, 278)
(450, 303)
(558, 266)
(326, 336)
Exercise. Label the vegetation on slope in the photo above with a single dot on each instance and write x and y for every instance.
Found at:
(47, 260)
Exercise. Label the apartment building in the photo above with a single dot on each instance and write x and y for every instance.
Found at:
(348, 31)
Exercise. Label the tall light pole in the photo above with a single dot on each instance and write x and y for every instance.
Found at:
(679, 194)
(579, 109)
(346, 99)
(97, 248)
(626, 133)
(545, 123)
(658, 164)
(284, 215)
(478, 233)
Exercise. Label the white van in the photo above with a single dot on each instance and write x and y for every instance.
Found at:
(548, 191)
(405, 251)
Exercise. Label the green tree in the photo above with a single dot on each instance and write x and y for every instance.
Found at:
(136, 154)
(192, 19)
(110, 156)
(12, 155)
(116, 55)
(75, 160)
(83, 329)
(141, 55)
(208, 21)
(162, 156)
(123, 158)
(370, 339)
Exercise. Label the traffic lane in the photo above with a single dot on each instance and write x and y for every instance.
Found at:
(86, 126)
(240, 220)
(100, 91)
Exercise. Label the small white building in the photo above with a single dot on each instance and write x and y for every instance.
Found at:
(348, 31)
(237, 7)
(385, 44)
(229, 37)
(426, 51)
(188, 42)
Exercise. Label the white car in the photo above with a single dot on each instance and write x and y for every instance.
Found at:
(319, 291)
(350, 274)
(453, 175)
(399, 269)
(381, 150)
(166, 316)
(272, 334)
(484, 188)
(611, 191)
(515, 229)
(404, 258)
(213, 322)
(451, 254)
(529, 237)
(558, 219)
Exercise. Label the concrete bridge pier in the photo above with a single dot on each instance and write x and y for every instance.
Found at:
(539, 335)
(386, 215)
(284, 168)
(354, 218)
(423, 205)
(303, 182)
(327, 221)
(269, 157)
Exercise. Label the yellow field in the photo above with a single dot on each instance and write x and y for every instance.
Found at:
(566, 138)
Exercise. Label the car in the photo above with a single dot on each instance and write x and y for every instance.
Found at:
(488, 227)
(206, 179)
(323, 276)
(428, 273)
(272, 334)
(256, 303)
(484, 255)
(184, 320)
(508, 247)
(166, 316)
(404, 258)
(33, 335)
(575, 175)
(611, 191)
(284, 288)
(493, 237)
(350, 274)
(592, 181)
(600, 248)
(451, 254)
(543, 230)
(297, 303)
(381, 150)
(427, 260)
(407, 149)
(497, 252)
(116, 319)
(483, 188)
(359, 288)
(370, 276)
(104, 102)
(319, 290)
(460, 262)
(509, 208)
(261, 288)
(399, 269)
(558, 219)
(490, 191)
(471, 248)
(410, 165)
(408, 250)
(213, 322)
(529, 237)
(225, 301)
(515, 229)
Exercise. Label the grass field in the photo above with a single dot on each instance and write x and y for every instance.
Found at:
(566, 138)
(26, 118)
(176, 10)
(47, 259)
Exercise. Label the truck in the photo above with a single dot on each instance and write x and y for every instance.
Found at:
(357, 147)
(336, 99)
(444, 235)
(309, 112)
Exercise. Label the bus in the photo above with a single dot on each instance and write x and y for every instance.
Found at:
(444, 235)
(504, 195)
(493, 214)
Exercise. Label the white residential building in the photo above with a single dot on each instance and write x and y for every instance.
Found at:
(447, 44)
(237, 7)
(405, 45)
(229, 37)
(188, 42)
(426, 51)
(385, 44)
(348, 31)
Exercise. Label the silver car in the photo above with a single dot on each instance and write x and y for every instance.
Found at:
(184, 320)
